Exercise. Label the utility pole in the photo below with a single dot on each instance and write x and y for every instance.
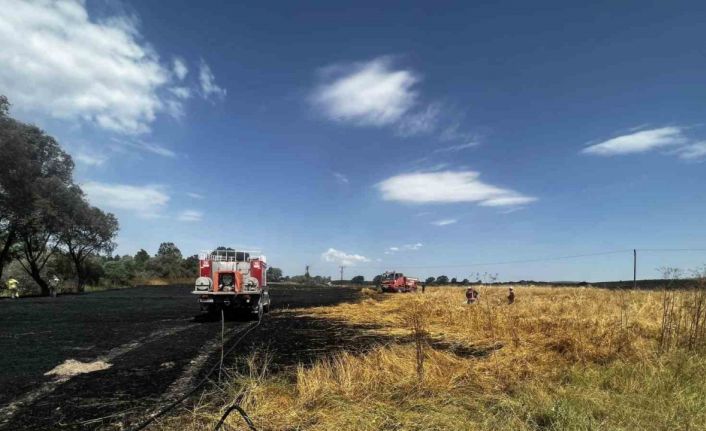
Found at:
(342, 272)
(306, 273)
(634, 268)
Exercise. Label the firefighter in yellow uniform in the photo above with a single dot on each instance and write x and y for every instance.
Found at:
(13, 287)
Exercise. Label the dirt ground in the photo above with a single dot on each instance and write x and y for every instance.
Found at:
(104, 360)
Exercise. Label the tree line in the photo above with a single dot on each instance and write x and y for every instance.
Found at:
(44, 216)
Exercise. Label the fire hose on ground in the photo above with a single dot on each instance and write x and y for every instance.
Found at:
(218, 365)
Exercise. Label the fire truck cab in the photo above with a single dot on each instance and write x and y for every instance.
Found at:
(232, 280)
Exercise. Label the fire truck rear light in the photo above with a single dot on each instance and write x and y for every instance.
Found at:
(204, 296)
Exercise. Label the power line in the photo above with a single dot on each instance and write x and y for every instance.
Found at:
(507, 262)
(544, 259)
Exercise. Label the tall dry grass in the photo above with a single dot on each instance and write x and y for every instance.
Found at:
(558, 358)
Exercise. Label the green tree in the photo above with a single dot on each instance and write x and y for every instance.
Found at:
(274, 274)
(34, 174)
(190, 266)
(442, 279)
(377, 280)
(167, 263)
(430, 280)
(454, 281)
(141, 259)
(87, 230)
(358, 279)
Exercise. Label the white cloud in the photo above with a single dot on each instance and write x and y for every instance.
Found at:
(638, 142)
(341, 178)
(57, 61)
(455, 148)
(195, 195)
(366, 94)
(208, 82)
(695, 151)
(90, 159)
(343, 258)
(422, 122)
(182, 93)
(378, 93)
(444, 222)
(190, 216)
(146, 201)
(406, 247)
(179, 68)
(447, 187)
(140, 145)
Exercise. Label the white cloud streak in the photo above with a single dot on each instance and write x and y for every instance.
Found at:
(90, 159)
(692, 152)
(342, 258)
(209, 88)
(448, 187)
(341, 178)
(444, 222)
(638, 142)
(58, 62)
(145, 201)
(405, 247)
(190, 216)
(179, 68)
(456, 148)
(195, 195)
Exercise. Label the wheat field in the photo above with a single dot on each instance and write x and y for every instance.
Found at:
(556, 359)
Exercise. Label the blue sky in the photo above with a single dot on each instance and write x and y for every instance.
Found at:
(405, 135)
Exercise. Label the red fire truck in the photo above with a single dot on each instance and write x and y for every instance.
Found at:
(397, 282)
(232, 280)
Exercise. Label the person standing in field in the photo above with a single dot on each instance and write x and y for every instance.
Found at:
(471, 295)
(54, 286)
(511, 296)
(14, 287)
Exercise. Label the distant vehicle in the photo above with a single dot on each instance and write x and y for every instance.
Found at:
(397, 282)
(232, 280)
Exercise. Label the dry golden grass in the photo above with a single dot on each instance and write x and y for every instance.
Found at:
(558, 358)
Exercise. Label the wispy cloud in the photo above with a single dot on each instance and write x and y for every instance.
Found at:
(190, 216)
(638, 142)
(209, 88)
(194, 195)
(343, 258)
(693, 152)
(444, 222)
(145, 201)
(341, 178)
(448, 187)
(379, 93)
(455, 148)
(179, 68)
(421, 122)
(366, 94)
(405, 247)
(138, 144)
(90, 159)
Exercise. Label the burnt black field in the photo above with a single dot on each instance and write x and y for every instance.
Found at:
(153, 335)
